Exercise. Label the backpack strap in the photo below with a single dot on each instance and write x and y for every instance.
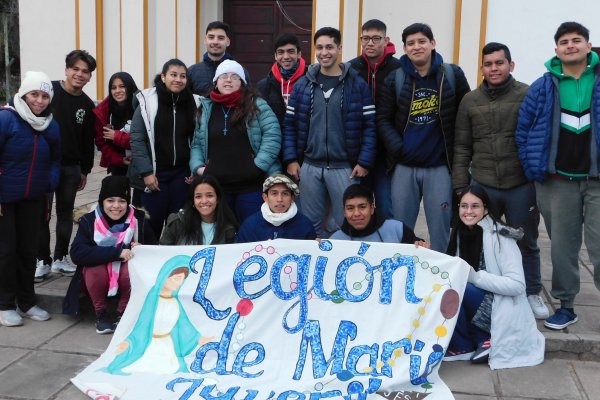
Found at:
(450, 75)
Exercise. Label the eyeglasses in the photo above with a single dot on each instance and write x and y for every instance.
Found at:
(232, 76)
(367, 39)
(474, 207)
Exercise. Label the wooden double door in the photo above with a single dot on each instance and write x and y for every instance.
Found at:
(255, 25)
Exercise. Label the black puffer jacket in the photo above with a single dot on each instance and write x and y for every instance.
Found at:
(392, 112)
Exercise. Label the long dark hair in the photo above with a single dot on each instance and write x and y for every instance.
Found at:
(247, 107)
(121, 113)
(192, 221)
(460, 227)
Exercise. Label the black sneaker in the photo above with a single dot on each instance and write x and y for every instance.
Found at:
(117, 320)
(104, 324)
(482, 354)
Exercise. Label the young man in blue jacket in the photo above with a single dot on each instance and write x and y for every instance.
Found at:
(558, 138)
(329, 139)
(278, 217)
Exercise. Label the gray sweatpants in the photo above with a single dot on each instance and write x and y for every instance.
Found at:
(317, 185)
(568, 208)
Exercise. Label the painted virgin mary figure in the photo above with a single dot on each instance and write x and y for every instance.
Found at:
(163, 335)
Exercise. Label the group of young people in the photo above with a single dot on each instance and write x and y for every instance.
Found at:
(365, 142)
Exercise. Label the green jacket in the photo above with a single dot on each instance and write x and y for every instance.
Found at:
(264, 134)
(484, 141)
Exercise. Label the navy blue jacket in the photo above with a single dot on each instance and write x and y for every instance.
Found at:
(256, 229)
(29, 160)
(358, 115)
(539, 120)
(393, 110)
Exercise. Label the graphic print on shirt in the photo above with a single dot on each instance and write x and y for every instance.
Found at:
(80, 115)
(424, 108)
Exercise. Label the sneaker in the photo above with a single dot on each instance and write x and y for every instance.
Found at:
(64, 266)
(35, 313)
(117, 320)
(540, 311)
(42, 270)
(104, 324)
(482, 353)
(10, 318)
(561, 319)
(458, 355)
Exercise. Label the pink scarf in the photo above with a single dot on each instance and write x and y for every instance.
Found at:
(115, 236)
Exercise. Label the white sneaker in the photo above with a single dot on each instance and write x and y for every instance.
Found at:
(64, 266)
(35, 313)
(41, 271)
(540, 311)
(10, 318)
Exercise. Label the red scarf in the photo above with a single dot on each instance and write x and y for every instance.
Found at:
(226, 100)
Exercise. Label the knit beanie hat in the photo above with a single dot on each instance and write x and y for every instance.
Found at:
(34, 80)
(280, 178)
(115, 186)
(230, 66)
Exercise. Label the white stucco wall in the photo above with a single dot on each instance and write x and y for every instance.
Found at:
(528, 27)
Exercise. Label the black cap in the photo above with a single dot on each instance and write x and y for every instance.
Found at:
(115, 186)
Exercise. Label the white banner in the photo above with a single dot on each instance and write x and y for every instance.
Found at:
(282, 319)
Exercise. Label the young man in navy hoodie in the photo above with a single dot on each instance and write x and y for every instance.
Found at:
(415, 121)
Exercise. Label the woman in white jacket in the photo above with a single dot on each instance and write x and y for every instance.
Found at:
(495, 320)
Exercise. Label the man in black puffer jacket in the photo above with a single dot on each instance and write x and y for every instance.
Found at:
(415, 121)
(373, 65)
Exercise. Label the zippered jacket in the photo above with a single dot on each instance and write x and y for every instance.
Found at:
(358, 116)
(263, 131)
(29, 160)
(393, 110)
(143, 153)
(538, 127)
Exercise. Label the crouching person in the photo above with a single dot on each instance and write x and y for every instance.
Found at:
(363, 222)
(278, 217)
(102, 249)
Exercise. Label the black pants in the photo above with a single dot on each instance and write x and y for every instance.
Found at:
(70, 177)
(18, 248)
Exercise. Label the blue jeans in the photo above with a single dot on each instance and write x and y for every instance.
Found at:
(434, 186)
(169, 199)
(244, 205)
(467, 336)
(570, 208)
(518, 205)
(381, 184)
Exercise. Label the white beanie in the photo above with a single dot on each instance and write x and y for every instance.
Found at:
(34, 80)
(228, 66)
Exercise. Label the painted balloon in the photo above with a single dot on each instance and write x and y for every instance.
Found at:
(244, 307)
(450, 303)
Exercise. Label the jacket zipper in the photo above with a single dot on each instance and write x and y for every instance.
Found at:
(174, 126)
(28, 186)
(442, 122)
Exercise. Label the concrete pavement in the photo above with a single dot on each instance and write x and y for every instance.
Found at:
(38, 359)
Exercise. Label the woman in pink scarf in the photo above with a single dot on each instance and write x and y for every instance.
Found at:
(102, 249)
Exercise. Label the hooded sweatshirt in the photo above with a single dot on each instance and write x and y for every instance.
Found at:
(423, 139)
(574, 141)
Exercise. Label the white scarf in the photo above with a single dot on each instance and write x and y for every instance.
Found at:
(277, 219)
(38, 123)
